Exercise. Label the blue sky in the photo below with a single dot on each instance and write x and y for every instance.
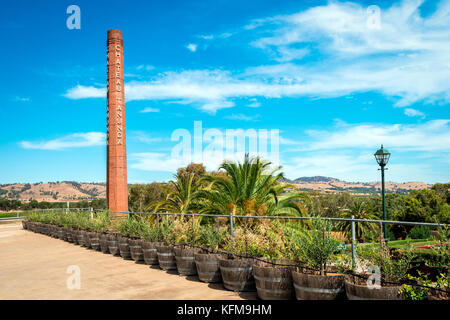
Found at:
(334, 80)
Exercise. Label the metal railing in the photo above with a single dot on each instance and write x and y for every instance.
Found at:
(231, 217)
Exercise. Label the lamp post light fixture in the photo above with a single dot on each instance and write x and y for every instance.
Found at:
(382, 157)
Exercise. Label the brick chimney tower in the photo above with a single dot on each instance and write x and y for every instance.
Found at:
(116, 176)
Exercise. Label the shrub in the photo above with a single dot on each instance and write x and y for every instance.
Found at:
(315, 246)
(211, 236)
(420, 232)
(393, 266)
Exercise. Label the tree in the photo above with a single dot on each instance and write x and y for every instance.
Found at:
(358, 210)
(249, 188)
(196, 169)
(181, 198)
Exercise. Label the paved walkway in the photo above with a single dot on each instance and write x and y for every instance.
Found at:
(34, 266)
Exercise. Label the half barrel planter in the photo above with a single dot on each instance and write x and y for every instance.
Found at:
(358, 290)
(94, 240)
(273, 282)
(208, 268)
(113, 245)
(318, 287)
(237, 274)
(103, 240)
(87, 239)
(69, 235)
(184, 258)
(166, 257)
(150, 253)
(124, 247)
(136, 250)
(81, 238)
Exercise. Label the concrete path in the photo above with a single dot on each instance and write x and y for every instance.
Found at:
(34, 266)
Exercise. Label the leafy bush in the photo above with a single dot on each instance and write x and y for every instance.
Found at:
(393, 266)
(211, 236)
(420, 232)
(315, 246)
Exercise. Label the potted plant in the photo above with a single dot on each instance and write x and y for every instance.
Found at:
(207, 260)
(393, 268)
(186, 237)
(150, 236)
(135, 230)
(315, 246)
(166, 255)
(123, 240)
(236, 268)
(272, 273)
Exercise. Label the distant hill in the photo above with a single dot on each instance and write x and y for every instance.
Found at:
(53, 191)
(76, 191)
(333, 185)
(314, 179)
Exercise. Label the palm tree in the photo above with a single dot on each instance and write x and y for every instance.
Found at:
(181, 197)
(249, 188)
(359, 211)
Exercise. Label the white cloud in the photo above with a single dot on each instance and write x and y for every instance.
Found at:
(75, 140)
(145, 67)
(407, 59)
(192, 47)
(430, 136)
(22, 99)
(242, 117)
(414, 113)
(147, 110)
(81, 92)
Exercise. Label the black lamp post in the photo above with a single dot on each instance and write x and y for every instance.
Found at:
(382, 157)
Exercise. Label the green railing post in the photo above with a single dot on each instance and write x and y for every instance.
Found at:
(353, 243)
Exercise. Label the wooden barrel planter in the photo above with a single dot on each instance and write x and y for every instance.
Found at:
(273, 282)
(74, 234)
(113, 245)
(103, 240)
(150, 253)
(357, 289)
(24, 224)
(69, 235)
(54, 231)
(87, 239)
(60, 231)
(136, 250)
(166, 257)
(81, 239)
(311, 286)
(63, 234)
(124, 248)
(184, 257)
(237, 274)
(94, 240)
(208, 269)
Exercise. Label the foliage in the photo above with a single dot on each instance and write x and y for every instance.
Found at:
(248, 188)
(411, 292)
(315, 246)
(420, 232)
(140, 196)
(442, 251)
(359, 211)
(393, 267)
(212, 236)
(181, 195)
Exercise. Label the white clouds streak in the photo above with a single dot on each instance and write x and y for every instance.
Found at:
(407, 59)
(75, 140)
